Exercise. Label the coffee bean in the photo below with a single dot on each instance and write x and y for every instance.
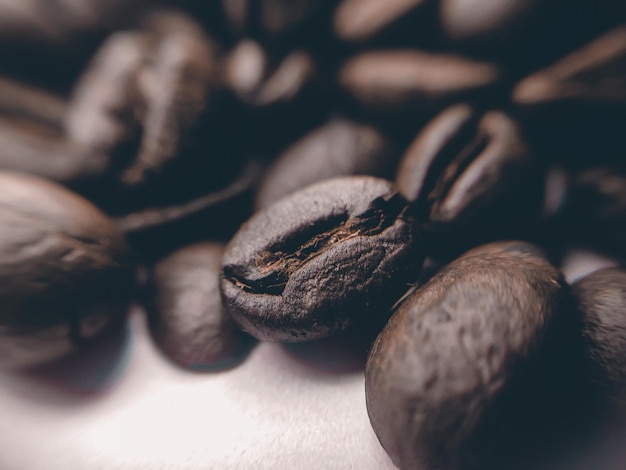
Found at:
(187, 317)
(65, 273)
(601, 297)
(460, 360)
(324, 258)
(338, 148)
(360, 20)
(102, 113)
(280, 16)
(469, 173)
(415, 81)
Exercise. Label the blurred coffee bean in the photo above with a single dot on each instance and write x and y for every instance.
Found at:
(497, 22)
(46, 152)
(32, 139)
(576, 108)
(470, 175)
(338, 148)
(187, 318)
(362, 20)
(237, 14)
(176, 87)
(415, 82)
(65, 272)
(103, 110)
(601, 297)
(466, 358)
(325, 258)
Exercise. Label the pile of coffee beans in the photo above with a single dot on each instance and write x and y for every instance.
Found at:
(413, 171)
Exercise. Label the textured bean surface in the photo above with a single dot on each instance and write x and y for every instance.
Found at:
(438, 379)
(322, 259)
(64, 270)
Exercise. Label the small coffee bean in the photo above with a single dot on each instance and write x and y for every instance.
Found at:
(601, 298)
(187, 318)
(360, 20)
(462, 359)
(65, 272)
(401, 80)
(281, 16)
(470, 171)
(324, 258)
(338, 148)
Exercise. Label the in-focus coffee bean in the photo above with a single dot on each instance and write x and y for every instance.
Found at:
(464, 357)
(324, 258)
(65, 271)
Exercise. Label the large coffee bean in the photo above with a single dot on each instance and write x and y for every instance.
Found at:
(334, 254)
(65, 275)
(460, 359)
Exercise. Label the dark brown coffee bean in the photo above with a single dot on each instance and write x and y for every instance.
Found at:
(337, 253)
(46, 152)
(360, 20)
(176, 87)
(466, 170)
(401, 80)
(601, 297)
(339, 148)
(187, 317)
(65, 275)
(103, 110)
(458, 362)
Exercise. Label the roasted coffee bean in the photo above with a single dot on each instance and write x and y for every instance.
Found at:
(177, 88)
(601, 297)
(187, 318)
(398, 81)
(280, 16)
(469, 174)
(461, 359)
(361, 20)
(103, 110)
(65, 271)
(32, 138)
(324, 258)
(339, 148)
